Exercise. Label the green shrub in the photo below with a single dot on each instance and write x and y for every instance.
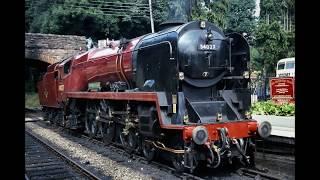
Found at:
(270, 108)
(31, 100)
(29, 86)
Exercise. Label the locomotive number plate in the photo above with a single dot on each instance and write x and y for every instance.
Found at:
(207, 47)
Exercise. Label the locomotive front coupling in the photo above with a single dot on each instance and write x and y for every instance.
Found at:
(215, 143)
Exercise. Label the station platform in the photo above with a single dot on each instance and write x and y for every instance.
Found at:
(281, 125)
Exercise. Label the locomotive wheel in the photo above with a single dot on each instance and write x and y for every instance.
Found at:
(46, 114)
(178, 163)
(132, 140)
(51, 117)
(108, 130)
(148, 151)
(251, 153)
(91, 125)
(54, 119)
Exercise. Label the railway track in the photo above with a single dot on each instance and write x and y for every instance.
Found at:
(249, 173)
(118, 149)
(279, 147)
(43, 161)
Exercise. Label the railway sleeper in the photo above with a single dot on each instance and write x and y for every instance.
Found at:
(47, 172)
(257, 172)
(53, 163)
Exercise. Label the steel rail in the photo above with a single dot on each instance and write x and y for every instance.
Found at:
(68, 160)
(256, 172)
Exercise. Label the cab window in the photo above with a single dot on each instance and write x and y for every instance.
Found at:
(290, 65)
(281, 66)
(66, 67)
(56, 74)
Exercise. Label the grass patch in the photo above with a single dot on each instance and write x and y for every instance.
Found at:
(31, 100)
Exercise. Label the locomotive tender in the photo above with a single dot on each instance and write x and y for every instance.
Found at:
(180, 93)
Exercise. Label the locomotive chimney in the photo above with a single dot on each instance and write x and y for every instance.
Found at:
(179, 12)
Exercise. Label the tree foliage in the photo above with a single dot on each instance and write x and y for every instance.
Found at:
(272, 44)
(274, 35)
(241, 16)
(281, 11)
(214, 11)
(82, 17)
(178, 10)
(230, 15)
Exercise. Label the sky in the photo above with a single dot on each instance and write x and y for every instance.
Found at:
(257, 13)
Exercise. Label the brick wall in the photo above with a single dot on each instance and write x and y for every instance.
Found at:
(52, 48)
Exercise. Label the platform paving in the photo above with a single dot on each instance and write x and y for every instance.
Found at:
(281, 125)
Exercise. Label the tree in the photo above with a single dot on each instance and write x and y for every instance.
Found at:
(34, 9)
(281, 11)
(214, 11)
(291, 43)
(270, 10)
(178, 10)
(272, 44)
(93, 19)
(72, 17)
(275, 14)
(241, 16)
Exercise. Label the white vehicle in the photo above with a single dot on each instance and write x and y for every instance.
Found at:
(285, 67)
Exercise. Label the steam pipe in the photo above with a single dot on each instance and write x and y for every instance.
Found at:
(211, 153)
(239, 149)
(223, 138)
(218, 156)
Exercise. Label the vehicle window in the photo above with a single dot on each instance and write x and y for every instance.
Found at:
(66, 67)
(281, 66)
(56, 75)
(290, 65)
(40, 77)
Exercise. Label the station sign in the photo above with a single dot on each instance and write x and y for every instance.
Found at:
(282, 90)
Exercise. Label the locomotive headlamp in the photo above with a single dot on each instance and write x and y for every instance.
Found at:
(181, 75)
(202, 24)
(210, 36)
(200, 135)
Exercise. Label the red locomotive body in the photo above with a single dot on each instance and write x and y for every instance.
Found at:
(47, 88)
(75, 73)
(168, 92)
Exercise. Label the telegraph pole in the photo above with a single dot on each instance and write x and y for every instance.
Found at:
(151, 19)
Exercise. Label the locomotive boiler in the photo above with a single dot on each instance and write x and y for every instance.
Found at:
(180, 93)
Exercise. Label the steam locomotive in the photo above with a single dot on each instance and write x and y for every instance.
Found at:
(181, 94)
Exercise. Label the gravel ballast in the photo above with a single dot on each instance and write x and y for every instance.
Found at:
(102, 160)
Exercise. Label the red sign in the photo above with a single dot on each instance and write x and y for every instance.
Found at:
(282, 90)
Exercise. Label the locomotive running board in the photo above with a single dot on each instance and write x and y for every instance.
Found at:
(127, 96)
(132, 96)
